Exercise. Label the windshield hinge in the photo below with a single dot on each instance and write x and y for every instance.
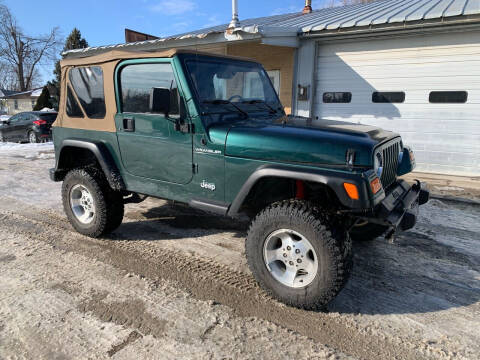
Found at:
(184, 127)
(195, 168)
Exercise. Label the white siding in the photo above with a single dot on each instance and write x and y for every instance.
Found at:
(445, 137)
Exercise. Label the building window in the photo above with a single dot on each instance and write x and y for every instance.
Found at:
(388, 97)
(137, 83)
(15, 104)
(87, 82)
(337, 97)
(274, 76)
(448, 97)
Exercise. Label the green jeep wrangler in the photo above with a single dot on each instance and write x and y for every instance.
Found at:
(209, 131)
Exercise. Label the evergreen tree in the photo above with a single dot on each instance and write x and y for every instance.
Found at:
(73, 41)
(43, 100)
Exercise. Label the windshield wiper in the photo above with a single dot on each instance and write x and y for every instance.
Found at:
(226, 102)
(258, 101)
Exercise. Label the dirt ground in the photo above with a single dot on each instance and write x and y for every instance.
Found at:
(173, 283)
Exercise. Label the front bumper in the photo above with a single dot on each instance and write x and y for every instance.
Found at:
(399, 209)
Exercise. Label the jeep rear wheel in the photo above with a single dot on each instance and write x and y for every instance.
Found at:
(298, 254)
(91, 206)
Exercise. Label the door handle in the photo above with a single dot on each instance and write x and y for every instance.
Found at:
(128, 124)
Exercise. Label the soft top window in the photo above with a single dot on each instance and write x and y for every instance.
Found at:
(138, 81)
(87, 82)
(73, 109)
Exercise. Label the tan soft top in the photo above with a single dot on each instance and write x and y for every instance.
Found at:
(108, 62)
(116, 55)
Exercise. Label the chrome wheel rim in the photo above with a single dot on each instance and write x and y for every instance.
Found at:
(290, 258)
(32, 137)
(82, 204)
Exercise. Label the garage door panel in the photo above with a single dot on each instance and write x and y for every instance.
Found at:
(468, 117)
(446, 137)
(407, 57)
(402, 71)
(446, 159)
(362, 96)
(439, 42)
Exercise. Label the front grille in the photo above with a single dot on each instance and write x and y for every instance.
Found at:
(390, 153)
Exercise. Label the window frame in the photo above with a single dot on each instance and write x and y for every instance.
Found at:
(118, 83)
(77, 99)
(184, 60)
(446, 92)
(381, 94)
(277, 79)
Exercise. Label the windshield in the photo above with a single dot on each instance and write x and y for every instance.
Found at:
(226, 89)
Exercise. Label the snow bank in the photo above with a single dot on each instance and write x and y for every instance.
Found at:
(28, 151)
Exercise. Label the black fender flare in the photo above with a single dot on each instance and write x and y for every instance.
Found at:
(331, 178)
(103, 156)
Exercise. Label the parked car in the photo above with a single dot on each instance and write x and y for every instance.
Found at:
(31, 126)
(210, 131)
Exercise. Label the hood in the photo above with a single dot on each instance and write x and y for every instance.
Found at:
(301, 140)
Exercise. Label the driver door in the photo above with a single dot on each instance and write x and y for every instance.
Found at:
(151, 145)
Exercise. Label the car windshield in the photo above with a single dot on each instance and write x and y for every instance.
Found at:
(226, 89)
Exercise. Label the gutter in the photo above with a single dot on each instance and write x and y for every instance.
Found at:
(271, 35)
(453, 24)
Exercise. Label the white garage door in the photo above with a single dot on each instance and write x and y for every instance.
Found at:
(427, 88)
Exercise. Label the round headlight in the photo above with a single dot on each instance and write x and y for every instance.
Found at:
(378, 164)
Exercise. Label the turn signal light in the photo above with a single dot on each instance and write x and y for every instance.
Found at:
(351, 190)
(376, 185)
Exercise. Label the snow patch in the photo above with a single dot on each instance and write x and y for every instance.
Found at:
(28, 151)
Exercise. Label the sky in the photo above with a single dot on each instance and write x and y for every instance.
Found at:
(103, 22)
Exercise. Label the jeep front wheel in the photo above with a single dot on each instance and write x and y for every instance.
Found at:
(298, 254)
(91, 206)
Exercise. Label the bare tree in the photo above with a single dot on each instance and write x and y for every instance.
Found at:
(23, 53)
(8, 78)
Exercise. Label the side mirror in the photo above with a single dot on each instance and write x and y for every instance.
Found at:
(160, 100)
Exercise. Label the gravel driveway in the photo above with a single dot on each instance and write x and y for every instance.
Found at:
(173, 283)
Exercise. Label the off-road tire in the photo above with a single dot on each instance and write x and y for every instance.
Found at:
(367, 232)
(328, 237)
(109, 206)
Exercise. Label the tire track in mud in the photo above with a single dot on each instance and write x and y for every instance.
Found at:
(208, 280)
